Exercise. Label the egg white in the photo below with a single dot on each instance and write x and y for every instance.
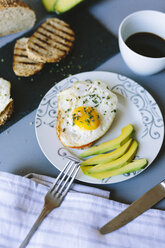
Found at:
(94, 94)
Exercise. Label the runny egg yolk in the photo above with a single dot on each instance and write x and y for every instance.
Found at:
(86, 118)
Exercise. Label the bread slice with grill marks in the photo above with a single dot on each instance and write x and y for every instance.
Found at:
(51, 41)
(22, 65)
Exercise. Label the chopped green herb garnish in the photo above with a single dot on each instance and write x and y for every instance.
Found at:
(91, 116)
(95, 101)
(67, 110)
(93, 95)
(79, 67)
(86, 100)
(87, 120)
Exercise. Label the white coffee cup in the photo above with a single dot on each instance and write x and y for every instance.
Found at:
(142, 21)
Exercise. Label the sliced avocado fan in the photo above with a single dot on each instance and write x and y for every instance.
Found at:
(110, 145)
(135, 165)
(123, 160)
(108, 157)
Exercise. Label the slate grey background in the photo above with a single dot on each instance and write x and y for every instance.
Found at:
(19, 150)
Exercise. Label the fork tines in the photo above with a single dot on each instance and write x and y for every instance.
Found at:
(64, 180)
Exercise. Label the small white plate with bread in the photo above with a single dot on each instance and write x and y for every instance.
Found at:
(135, 106)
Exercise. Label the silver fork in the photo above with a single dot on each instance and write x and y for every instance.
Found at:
(55, 195)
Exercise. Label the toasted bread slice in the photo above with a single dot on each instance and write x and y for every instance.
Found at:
(51, 41)
(22, 65)
(6, 103)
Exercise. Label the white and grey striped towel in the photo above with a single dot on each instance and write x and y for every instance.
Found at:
(75, 223)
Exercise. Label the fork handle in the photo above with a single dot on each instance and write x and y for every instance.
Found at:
(42, 215)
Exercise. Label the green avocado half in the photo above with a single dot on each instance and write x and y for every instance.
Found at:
(110, 145)
(60, 6)
(136, 165)
(108, 157)
(49, 4)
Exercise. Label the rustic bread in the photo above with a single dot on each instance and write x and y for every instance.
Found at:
(15, 16)
(51, 41)
(22, 65)
(6, 103)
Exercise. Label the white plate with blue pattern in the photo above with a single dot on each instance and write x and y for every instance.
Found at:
(136, 106)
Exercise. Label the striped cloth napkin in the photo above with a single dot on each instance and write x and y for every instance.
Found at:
(75, 223)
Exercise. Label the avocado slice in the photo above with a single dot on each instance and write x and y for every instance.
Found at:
(110, 145)
(49, 4)
(108, 157)
(125, 159)
(62, 6)
(131, 167)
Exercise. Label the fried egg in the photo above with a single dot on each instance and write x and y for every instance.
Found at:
(86, 111)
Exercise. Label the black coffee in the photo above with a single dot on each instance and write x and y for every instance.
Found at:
(147, 44)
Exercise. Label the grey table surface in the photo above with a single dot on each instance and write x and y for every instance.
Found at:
(19, 151)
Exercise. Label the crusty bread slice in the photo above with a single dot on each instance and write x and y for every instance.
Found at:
(15, 16)
(6, 103)
(22, 65)
(5, 115)
(51, 41)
